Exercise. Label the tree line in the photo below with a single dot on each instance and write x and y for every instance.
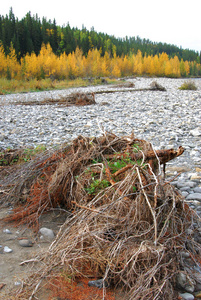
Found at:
(27, 36)
(73, 65)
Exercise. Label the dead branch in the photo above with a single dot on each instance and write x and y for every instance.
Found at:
(163, 155)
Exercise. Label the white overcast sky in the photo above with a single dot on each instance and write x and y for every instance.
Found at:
(175, 22)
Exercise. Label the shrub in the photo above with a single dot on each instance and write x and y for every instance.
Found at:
(188, 85)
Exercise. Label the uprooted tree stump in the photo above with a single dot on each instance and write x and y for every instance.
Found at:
(155, 86)
(127, 224)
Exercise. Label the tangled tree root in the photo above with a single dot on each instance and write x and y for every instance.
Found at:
(128, 225)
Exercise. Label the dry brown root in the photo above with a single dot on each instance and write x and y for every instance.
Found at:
(127, 225)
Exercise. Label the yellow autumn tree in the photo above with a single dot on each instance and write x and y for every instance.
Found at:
(163, 59)
(72, 66)
(47, 61)
(93, 63)
(63, 66)
(175, 66)
(80, 62)
(187, 67)
(156, 66)
(3, 61)
(138, 64)
(105, 65)
(184, 68)
(75, 64)
(148, 66)
(13, 67)
(31, 67)
(126, 65)
(167, 69)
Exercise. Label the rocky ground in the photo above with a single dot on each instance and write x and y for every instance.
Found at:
(167, 119)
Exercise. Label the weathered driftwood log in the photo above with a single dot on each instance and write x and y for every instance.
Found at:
(79, 99)
(151, 157)
(163, 155)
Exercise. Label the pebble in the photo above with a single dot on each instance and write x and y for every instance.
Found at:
(198, 295)
(47, 233)
(186, 296)
(7, 249)
(197, 190)
(7, 231)
(185, 282)
(194, 196)
(25, 243)
(17, 283)
(97, 283)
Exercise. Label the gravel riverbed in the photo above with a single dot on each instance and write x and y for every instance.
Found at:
(166, 119)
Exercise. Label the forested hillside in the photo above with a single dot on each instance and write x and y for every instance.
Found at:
(28, 34)
(31, 48)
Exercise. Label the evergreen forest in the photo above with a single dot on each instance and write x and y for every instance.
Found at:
(35, 48)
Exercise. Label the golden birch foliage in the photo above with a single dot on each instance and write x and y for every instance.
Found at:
(175, 66)
(3, 61)
(126, 65)
(93, 63)
(115, 69)
(116, 72)
(75, 64)
(63, 66)
(13, 66)
(104, 69)
(147, 65)
(80, 63)
(45, 64)
(182, 68)
(105, 65)
(163, 59)
(167, 69)
(47, 60)
(32, 69)
(157, 69)
(138, 64)
(187, 67)
(72, 65)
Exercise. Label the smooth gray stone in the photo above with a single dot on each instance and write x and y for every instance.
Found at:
(25, 243)
(182, 184)
(97, 283)
(187, 296)
(197, 189)
(194, 196)
(185, 194)
(185, 188)
(47, 233)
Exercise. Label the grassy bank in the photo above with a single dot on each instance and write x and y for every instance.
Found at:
(34, 85)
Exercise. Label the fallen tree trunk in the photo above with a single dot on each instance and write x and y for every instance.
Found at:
(151, 157)
(78, 99)
(126, 90)
(154, 86)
